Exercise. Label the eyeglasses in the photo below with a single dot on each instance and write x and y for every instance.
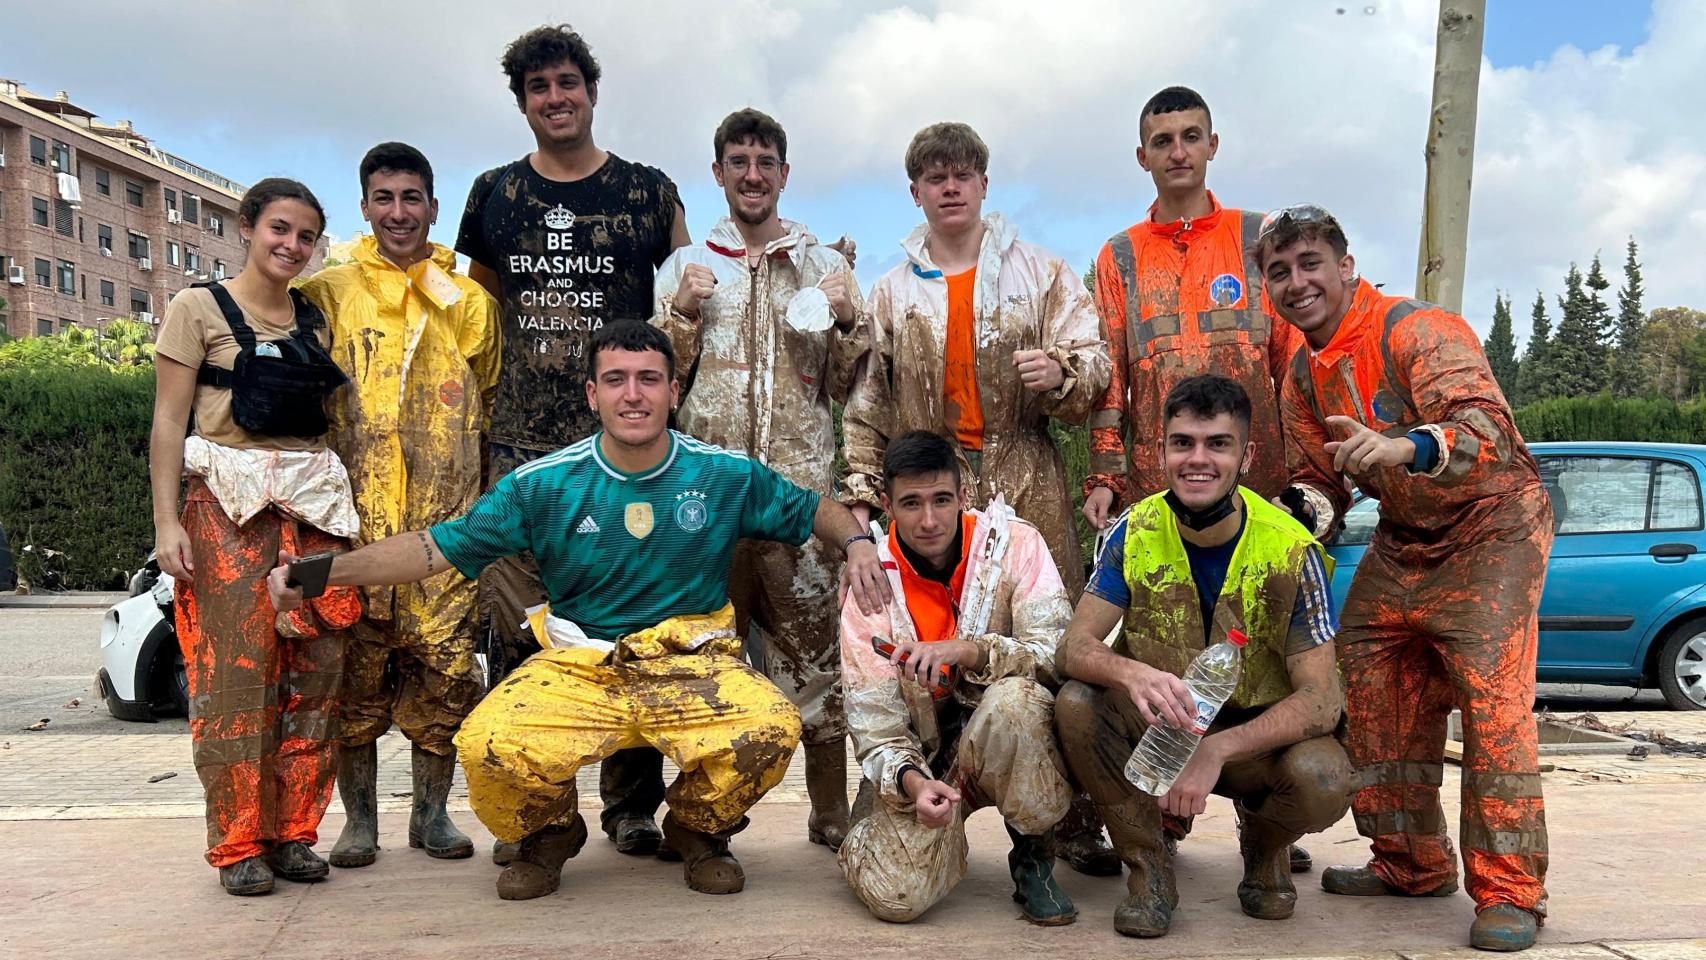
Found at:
(1300, 214)
(767, 166)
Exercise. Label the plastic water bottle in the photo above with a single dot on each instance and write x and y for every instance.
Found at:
(1164, 750)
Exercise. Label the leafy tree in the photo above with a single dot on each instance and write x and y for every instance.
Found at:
(1501, 346)
(1534, 380)
(1626, 372)
(123, 343)
(1673, 350)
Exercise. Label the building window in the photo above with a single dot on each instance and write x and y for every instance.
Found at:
(192, 260)
(104, 238)
(65, 324)
(216, 223)
(138, 246)
(62, 156)
(103, 182)
(44, 327)
(44, 273)
(67, 278)
(171, 253)
(219, 269)
(106, 293)
(133, 193)
(63, 219)
(38, 151)
(138, 301)
(172, 199)
(192, 208)
(38, 211)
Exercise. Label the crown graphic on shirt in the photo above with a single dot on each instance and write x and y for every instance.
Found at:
(559, 218)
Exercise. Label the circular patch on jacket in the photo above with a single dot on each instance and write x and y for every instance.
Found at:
(450, 393)
(1226, 290)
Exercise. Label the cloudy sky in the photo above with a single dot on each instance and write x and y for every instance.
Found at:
(1592, 123)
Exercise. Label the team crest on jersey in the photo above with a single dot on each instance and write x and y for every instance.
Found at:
(690, 511)
(638, 519)
(1226, 290)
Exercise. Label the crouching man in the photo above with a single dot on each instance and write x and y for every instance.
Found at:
(959, 714)
(1183, 568)
(633, 529)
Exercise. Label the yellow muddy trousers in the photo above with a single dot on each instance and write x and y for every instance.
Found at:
(1007, 758)
(728, 728)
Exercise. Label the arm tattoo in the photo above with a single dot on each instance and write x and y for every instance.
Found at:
(426, 548)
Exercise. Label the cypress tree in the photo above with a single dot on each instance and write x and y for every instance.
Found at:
(1500, 346)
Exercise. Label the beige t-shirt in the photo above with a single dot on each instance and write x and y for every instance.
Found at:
(194, 330)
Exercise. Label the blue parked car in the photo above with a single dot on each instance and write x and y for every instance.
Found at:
(1625, 598)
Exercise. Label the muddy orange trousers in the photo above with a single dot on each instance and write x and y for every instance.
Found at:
(1417, 639)
(262, 705)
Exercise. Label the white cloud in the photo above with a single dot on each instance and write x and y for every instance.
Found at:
(1573, 153)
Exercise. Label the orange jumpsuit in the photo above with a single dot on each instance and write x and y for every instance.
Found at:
(1178, 299)
(1442, 610)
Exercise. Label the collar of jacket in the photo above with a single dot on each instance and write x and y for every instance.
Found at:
(725, 239)
(1360, 320)
(1184, 230)
(920, 593)
(998, 236)
(366, 253)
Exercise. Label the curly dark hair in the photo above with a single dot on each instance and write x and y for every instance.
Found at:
(544, 47)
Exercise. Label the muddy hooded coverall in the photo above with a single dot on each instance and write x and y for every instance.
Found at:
(1442, 611)
(992, 736)
(759, 379)
(421, 351)
(1178, 299)
(1025, 299)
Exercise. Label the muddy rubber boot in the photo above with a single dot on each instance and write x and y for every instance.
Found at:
(1301, 861)
(706, 863)
(246, 878)
(358, 778)
(296, 862)
(1135, 829)
(1039, 896)
(1504, 927)
(1266, 892)
(826, 784)
(537, 869)
(503, 854)
(634, 834)
(1079, 841)
(429, 822)
(630, 782)
(1364, 882)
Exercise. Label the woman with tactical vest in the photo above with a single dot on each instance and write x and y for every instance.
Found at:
(239, 412)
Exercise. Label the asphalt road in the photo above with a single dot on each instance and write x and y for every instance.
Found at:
(48, 658)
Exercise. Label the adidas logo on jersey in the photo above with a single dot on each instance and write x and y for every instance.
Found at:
(588, 525)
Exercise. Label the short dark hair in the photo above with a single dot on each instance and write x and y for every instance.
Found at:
(266, 192)
(1206, 396)
(918, 452)
(636, 336)
(1172, 100)
(1289, 231)
(754, 125)
(544, 47)
(396, 157)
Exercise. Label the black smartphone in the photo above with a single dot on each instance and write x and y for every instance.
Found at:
(310, 574)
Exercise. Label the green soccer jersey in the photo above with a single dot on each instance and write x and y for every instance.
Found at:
(620, 552)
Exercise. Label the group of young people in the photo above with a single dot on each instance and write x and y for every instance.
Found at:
(616, 448)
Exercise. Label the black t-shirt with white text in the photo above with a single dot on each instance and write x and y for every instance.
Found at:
(570, 257)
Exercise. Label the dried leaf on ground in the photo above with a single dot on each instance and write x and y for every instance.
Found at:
(169, 774)
(40, 724)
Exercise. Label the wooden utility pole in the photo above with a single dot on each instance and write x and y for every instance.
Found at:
(1450, 154)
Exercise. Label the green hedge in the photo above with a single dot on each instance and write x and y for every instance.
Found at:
(1603, 418)
(74, 472)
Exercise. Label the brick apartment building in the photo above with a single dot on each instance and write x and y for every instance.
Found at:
(98, 222)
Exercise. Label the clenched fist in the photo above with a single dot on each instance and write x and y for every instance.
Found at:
(696, 286)
(836, 289)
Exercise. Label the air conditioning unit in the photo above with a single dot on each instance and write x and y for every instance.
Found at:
(106, 251)
(202, 277)
(144, 264)
(173, 216)
(145, 317)
(189, 273)
(2, 159)
(15, 276)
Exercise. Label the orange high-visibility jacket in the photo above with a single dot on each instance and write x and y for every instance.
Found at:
(1178, 299)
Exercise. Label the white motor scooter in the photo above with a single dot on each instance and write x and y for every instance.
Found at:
(142, 669)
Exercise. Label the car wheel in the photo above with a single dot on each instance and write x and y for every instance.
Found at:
(168, 689)
(180, 683)
(1681, 666)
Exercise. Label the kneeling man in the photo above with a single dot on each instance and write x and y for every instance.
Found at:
(1182, 569)
(633, 529)
(958, 714)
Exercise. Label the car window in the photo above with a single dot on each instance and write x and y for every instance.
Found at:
(1360, 521)
(1676, 498)
(1598, 494)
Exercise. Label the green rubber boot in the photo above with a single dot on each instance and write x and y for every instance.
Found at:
(1038, 894)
